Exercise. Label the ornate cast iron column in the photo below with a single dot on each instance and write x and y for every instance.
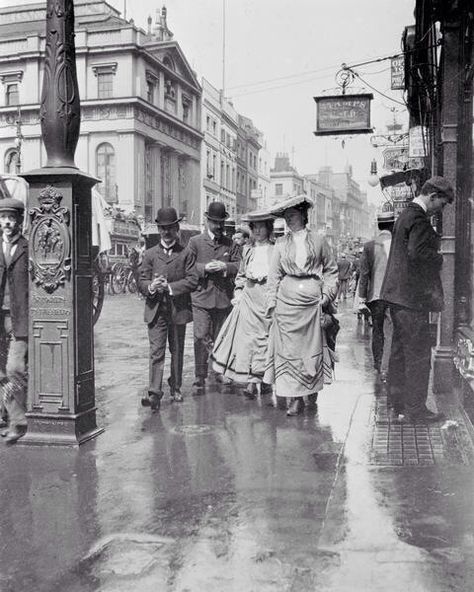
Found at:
(61, 392)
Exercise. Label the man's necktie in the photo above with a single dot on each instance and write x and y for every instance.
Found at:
(7, 252)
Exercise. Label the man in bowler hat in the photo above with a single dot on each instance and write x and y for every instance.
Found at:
(167, 278)
(217, 261)
(412, 287)
(13, 317)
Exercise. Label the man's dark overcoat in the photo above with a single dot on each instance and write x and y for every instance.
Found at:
(214, 290)
(18, 286)
(179, 270)
(412, 279)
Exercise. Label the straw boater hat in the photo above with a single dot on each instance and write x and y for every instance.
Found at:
(258, 216)
(386, 216)
(296, 201)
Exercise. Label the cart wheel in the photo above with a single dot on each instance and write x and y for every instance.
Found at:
(118, 279)
(98, 294)
(132, 283)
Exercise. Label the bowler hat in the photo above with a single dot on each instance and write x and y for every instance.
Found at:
(438, 184)
(167, 217)
(216, 211)
(11, 204)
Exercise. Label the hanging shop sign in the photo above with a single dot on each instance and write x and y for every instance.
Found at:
(397, 69)
(418, 142)
(395, 158)
(343, 114)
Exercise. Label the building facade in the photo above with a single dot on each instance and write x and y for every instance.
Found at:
(140, 106)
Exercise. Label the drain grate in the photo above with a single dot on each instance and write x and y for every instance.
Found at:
(399, 444)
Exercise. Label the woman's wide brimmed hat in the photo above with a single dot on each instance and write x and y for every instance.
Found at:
(216, 211)
(167, 217)
(257, 216)
(296, 201)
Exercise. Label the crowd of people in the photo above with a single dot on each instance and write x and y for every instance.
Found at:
(263, 310)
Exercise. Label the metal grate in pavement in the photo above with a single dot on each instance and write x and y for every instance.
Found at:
(399, 444)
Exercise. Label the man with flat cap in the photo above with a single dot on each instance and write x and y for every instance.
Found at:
(167, 278)
(13, 317)
(373, 264)
(217, 261)
(412, 288)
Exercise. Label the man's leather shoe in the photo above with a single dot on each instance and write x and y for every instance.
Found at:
(296, 407)
(176, 396)
(15, 434)
(198, 387)
(155, 402)
(426, 416)
(3, 423)
(312, 399)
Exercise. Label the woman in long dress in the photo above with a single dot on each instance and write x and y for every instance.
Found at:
(240, 349)
(302, 284)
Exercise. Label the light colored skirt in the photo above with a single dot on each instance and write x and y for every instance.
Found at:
(299, 361)
(241, 346)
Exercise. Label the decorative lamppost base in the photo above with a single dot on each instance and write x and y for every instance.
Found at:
(61, 391)
(61, 430)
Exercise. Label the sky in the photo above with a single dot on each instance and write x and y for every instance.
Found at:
(282, 53)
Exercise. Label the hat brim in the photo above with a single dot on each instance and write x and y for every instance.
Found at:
(216, 219)
(295, 201)
(168, 223)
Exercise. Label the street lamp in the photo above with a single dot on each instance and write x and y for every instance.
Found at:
(373, 180)
(18, 142)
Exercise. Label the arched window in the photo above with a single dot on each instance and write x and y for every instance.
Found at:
(105, 170)
(11, 161)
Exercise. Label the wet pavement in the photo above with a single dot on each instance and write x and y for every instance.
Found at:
(225, 494)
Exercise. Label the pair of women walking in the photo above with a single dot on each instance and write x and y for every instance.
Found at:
(274, 336)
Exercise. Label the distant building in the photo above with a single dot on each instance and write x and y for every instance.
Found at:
(285, 180)
(264, 180)
(248, 147)
(219, 157)
(140, 103)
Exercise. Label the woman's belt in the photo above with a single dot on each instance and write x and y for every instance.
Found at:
(254, 281)
(304, 277)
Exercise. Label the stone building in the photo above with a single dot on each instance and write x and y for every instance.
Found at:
(248, 147)
(140, 102)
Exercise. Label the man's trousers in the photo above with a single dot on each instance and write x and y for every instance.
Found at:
(207, 323)
(13, 372)
(160, 332)
(410, 360)
(381, 334)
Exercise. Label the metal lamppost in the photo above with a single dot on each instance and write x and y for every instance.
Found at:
(61, 390)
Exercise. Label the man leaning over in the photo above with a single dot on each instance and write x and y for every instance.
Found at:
(412, 287)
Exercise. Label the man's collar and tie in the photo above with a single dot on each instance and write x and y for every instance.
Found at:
(9, 246)
(168, 248)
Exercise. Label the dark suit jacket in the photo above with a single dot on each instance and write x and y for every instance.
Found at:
(412, 278)
(179, 270)
(18, 286)
(214, 289)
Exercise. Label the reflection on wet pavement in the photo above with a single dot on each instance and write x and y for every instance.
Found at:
(225, 494)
